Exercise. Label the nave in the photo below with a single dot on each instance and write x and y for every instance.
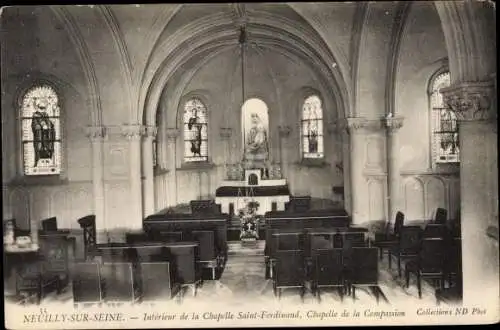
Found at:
(199, 266)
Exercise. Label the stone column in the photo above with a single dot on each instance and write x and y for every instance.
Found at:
(393, 165)
(284, 133)
(225, 135)
(148, 170)
(358, 127)
(473, 104)
(171, 134)
(97, 134)
(134, 133)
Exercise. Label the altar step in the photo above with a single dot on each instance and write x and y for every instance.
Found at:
(246, 249)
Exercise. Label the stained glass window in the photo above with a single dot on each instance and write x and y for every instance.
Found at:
(41, 131)
(312, 128)
(195, 131)
(445, 144)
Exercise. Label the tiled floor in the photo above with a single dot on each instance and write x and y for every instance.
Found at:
(243, 280)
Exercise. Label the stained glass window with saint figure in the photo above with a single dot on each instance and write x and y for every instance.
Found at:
(312, 128)
(445, 144)
(195, 131)
(41, 131)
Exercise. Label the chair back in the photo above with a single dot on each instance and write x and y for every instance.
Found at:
(398, 222)
(290, 268)
(86, 282)
(117, 281)
(156, 281)
(289, 241)
(54, 253)
(432, 255)
(409, 239)
(88, 225)
(49, 224)
(441, 215)
(170, 236)
(329, 267)
(354, 239)
(435, 230)
(321, 242)
(364, 266)
(207, 244)
(337, 240)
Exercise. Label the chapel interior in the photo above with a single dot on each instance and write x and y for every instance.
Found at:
(336, 153)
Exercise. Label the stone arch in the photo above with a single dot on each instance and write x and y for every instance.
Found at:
(219, 30)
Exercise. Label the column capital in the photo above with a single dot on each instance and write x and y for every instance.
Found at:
(355, 124)
(95, 133)
(471, 101)
(172, 133)
(284, 131)
(225, 132)
(133, 131)
(393, 123)
(150, 131)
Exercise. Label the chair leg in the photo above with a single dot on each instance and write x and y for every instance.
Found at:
(381, 253)
(419, 285)
(213, 273)
(399, 266)
(389, 255)
(318, 295)
(407, 275)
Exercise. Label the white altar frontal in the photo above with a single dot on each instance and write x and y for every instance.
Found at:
(271, 193)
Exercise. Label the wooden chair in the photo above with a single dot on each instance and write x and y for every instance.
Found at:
(117, 282)
(86, 283)
(388, 239)
(429, 263)
(157, 281)
(408, 245)
(183, 259)
(363, 271)
(355, 239)
(435, 230)
(453, 261)
(88, 225)
(290, 271)
(46, 271)
(49, 225)
(329, 271)
(208, 255)
(441, 216)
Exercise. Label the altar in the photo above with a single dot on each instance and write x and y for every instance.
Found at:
(264, 186)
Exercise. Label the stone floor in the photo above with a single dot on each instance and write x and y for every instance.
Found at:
(243, 281)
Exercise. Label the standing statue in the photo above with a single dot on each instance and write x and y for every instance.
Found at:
(256, 147)
(44, 132)
(196, 142)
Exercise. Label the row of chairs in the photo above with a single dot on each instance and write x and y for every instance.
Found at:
(209, 255)
(311, 239)
(111, 282)
(344, 269)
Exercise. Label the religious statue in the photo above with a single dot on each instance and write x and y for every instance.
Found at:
(43, 130)
(196, 142)
(256, 147)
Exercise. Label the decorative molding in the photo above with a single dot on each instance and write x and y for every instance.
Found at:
(393, 123)
(284, 131)
(133, 131)
(471, 101)
(360, 123)
(225, 132)
(172, 133)
(96, 133)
